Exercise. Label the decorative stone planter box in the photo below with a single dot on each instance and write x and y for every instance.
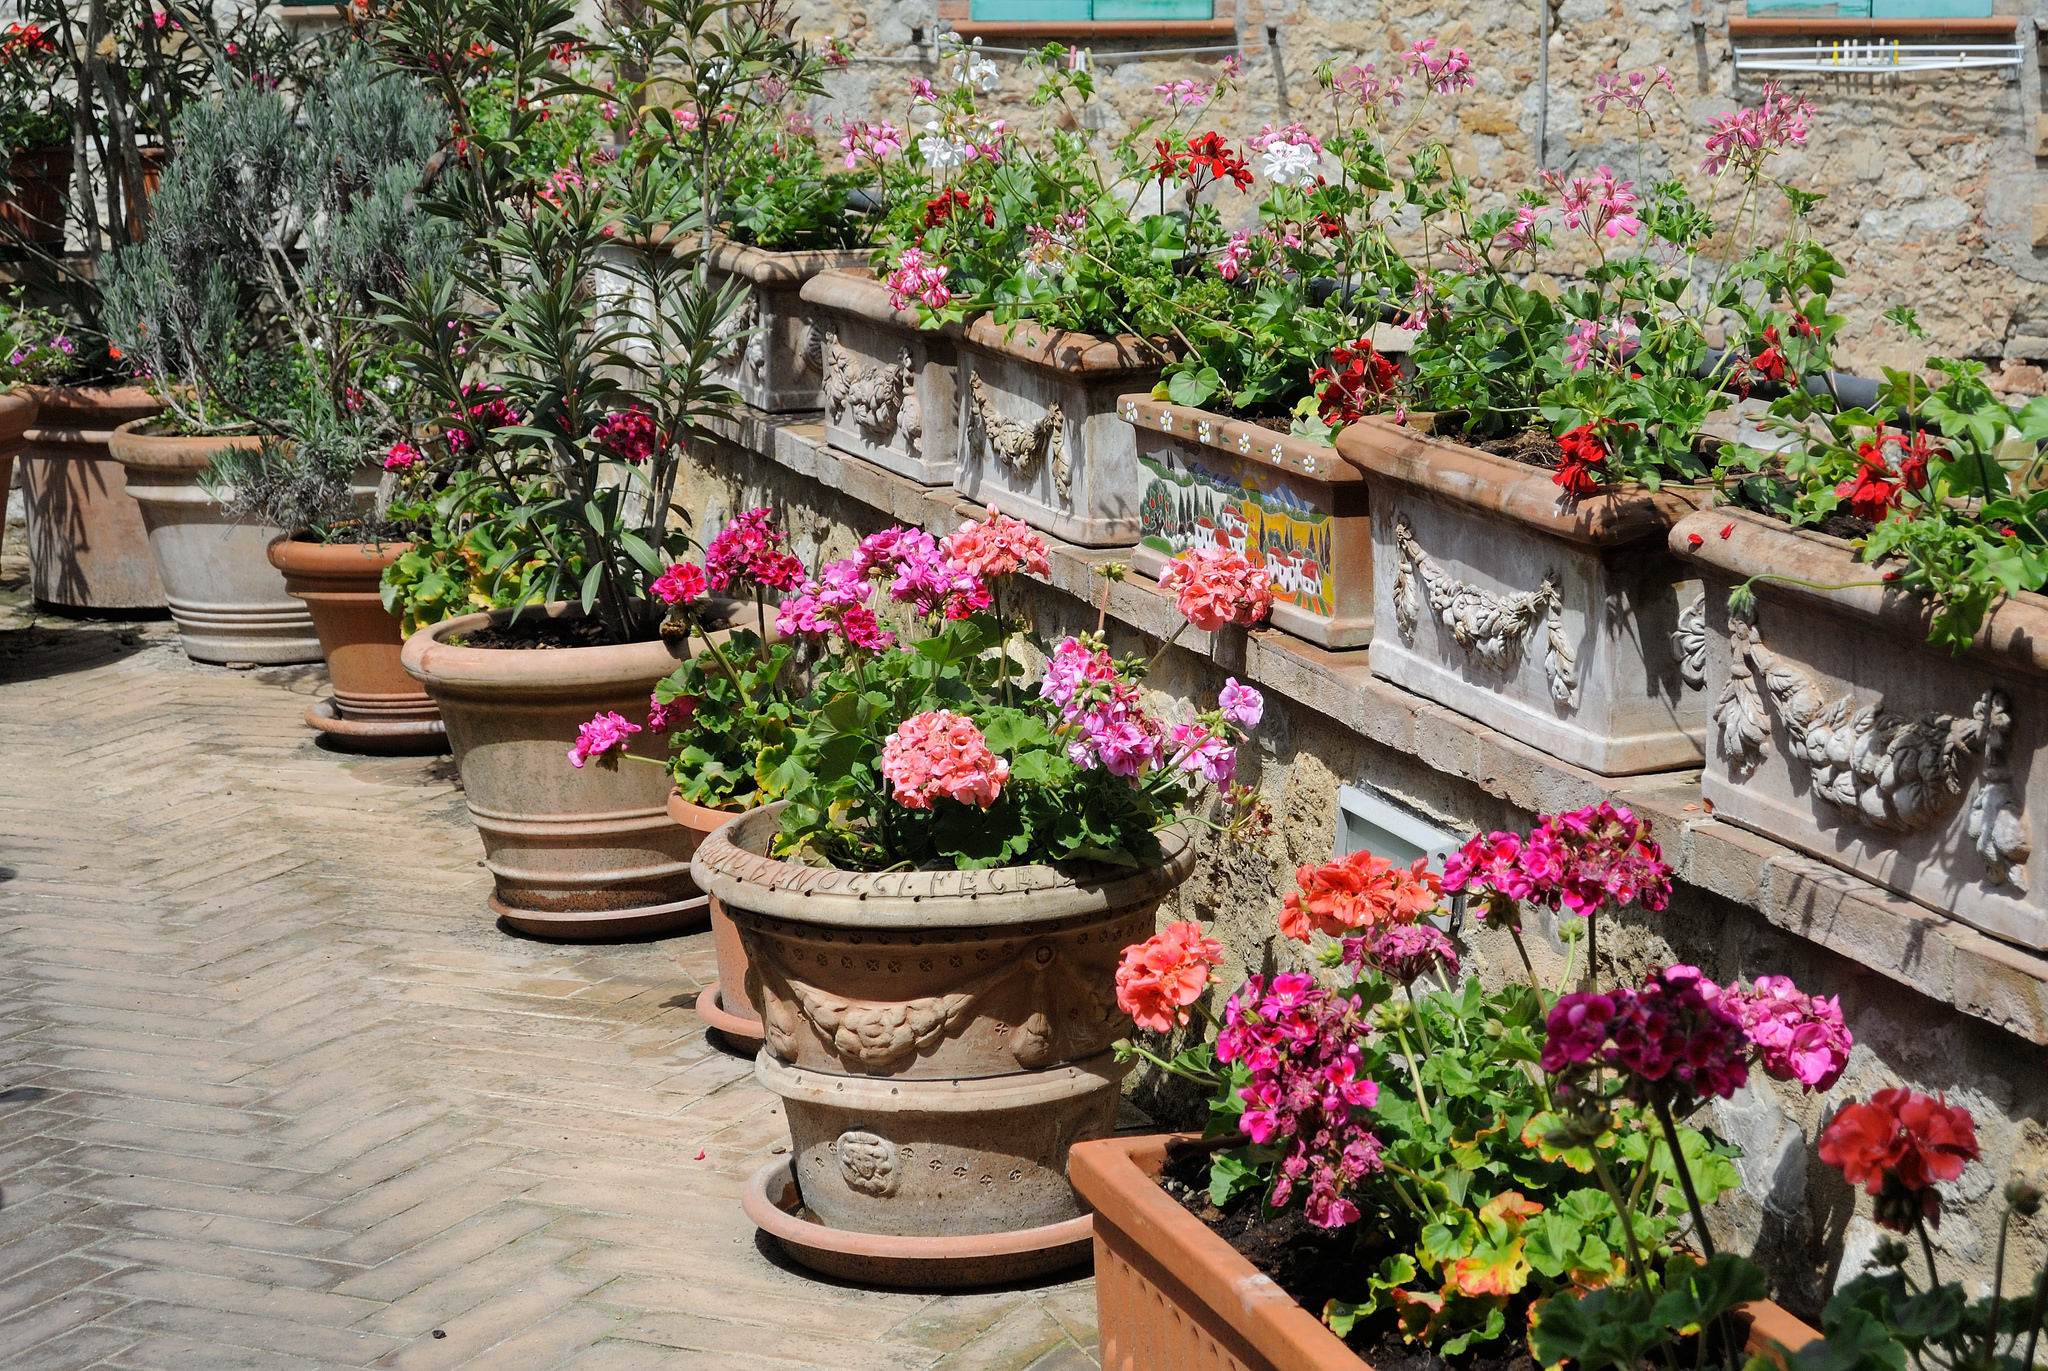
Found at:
(1291, 504)
(1041, 437)
(939, 1040)
(87, 545)
(889, 392)
(1171, 1293)
(1836, 728)
(1548, 619)
(775, 360)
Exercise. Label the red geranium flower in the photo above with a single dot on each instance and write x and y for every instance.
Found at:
(1355, 383)
(1582, 464)
(1874, 490)
(1897, 1146)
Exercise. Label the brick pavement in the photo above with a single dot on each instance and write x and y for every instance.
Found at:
(275, 1093)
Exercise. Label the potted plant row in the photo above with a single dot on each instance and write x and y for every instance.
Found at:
(1419, 1164)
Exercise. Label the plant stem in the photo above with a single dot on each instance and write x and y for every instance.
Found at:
(1927, 1251)
(1198, 1077)
(1592, 978)
(1628, 1224)
(1515, 932)
(1415, 1075)
(1692, 1198)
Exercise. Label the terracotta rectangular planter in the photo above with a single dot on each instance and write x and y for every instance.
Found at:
(1836, 728)
(1171, 1293)
(1290, 504)
(1040, 434)
(775, 361)
(889, 386)
(1548, 619)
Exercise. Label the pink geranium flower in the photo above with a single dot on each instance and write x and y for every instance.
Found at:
(998, 546)
(942, 754)
(1213, 587)
(1163, 975)
(683, 583)
(602, 740)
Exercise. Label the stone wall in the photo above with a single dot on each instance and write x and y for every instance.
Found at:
(1796, 1215)
(1930, 178)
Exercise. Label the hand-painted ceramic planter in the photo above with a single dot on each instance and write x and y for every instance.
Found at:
(889, 393)
(1289, 504)
(729, 1004)
(589, 853)
(1041, 434)
(376, 706)
(1549, 619)
(1171, 1293)
(88, 547)
(939, 1038)
(1836, 728)
(227, 599)
(775, 358)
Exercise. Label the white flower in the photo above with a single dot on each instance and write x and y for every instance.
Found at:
(974, 69)
(391, 385)
(1289, 164)
(942, 153)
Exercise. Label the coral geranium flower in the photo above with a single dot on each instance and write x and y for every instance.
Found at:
(1163, 975)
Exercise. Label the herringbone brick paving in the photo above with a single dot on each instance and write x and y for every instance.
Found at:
(275, 1093)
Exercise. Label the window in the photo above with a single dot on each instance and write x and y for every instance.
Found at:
(1085, 11)
(1870, 9)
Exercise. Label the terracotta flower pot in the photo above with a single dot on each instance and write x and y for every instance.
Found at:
(889, 386)
(939, 1040)
(1289, 504)
(588, 853)
(1839, 730)
(1040, 433)
(376, 706)
(1549, 619)
(34, 209)
(228, 600)
(1169, 1292)
(775, 360)
(17, 412)
(728, 1004)
(88, 547)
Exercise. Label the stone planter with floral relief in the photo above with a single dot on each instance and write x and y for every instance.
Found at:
(1290, 504)
(1042, 437)
(1837, 729)
(1550, 619)
(889, 392)
(775, 358)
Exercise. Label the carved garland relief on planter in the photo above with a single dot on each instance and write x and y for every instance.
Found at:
(1017, 445)
(878, 1036)
(1490, 628)
(882, 399)
(1888, 772)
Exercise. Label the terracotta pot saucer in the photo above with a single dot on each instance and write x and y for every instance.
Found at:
(377, 735)
(604, 925)
(774, 1205)
(742, 1031)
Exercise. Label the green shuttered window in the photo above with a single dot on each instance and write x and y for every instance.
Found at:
(1082, 11)
(1863, 9)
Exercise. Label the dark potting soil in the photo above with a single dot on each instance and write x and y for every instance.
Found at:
(1531, 447)
(1317, 1265)
(532, 633)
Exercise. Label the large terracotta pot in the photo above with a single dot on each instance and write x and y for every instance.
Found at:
(1171, 1293)
(1040, 434)
(88, 547)
(1548, 619)
(1289, 504)
(1839, 730)
(17, 412)
(775, 360)
(34, 208)
(728, 1004)
(889, 391)
(939, 1040)
(588, 853)
(376, 706)
(228, 600)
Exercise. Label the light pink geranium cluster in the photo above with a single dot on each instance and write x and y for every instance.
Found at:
(1602, 204)
(1183, 95)
(1214, 586)
(918, 277)
(998, 546)
(602, 740)
(1583, 861)
(940, 754)
(1110, 726)
(1631, 93)
(919, 573)
(1798, 1037)
(1748, 138)
(1366, 88)
(749, 548)
(1301, 1044)
(1160, 977)
(1448, 74)
(877, 142)
(835, 605)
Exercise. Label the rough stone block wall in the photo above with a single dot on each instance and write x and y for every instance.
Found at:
(1933, 189)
